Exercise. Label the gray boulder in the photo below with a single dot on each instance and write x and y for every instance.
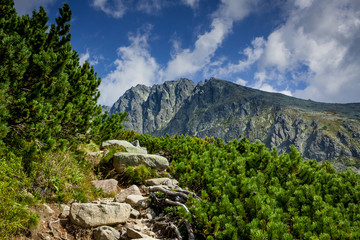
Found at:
(92, 214)
(123, 160)
(125, 144)
(106, 233)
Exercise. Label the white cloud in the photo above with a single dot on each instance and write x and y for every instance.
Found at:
(323, 36)
(187, 62)
(150, 7)
(192, 3)
(86, 57)
(134, 66)
(114, 8)
(241, 81)
(252, 55)
(317, 46)
(27, 6)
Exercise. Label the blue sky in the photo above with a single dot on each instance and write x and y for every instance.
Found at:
(304, 48)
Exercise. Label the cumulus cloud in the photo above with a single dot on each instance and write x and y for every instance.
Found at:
(191, 3)
(118, 8)
(187, 62)
(316, 47)
(27, 6)
(93, 60)
(135, 65)
(323, 36)
(114, 8)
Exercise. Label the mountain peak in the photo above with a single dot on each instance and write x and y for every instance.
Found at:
(226, 110)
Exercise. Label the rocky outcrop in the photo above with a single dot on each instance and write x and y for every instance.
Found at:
(150, 109)
(225, 110)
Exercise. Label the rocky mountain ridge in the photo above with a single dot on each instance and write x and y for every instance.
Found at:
(219, 108)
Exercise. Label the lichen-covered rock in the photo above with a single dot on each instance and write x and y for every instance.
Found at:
(92, 215)
(123, 160)
(129, 147)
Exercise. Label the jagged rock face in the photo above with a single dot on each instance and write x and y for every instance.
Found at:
(150, 109)
(225, 110)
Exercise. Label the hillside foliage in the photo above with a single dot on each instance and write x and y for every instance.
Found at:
(49, 118)
(48, 106)
(251, 192)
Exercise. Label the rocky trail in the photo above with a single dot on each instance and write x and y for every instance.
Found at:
(135, 212)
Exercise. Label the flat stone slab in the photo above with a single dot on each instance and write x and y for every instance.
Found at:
(123, 160)
(92, 214)
(125, 144)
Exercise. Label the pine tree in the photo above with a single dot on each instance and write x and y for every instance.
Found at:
(48, 97)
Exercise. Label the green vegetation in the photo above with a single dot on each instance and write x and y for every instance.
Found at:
(250, 192)
(247, 191)
(48, 109)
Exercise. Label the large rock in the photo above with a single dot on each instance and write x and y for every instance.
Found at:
(106, 233)
(92, 215)
(125, 144)
(122, 160)
(109, 186)
(132, 190)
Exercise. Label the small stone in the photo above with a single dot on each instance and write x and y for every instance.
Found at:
(44, 210)
(106, 233)
(134, 234)
(133, 190)
(150, 213)
(172, 183)
(65, 211)
(137, 201)
(134, 213)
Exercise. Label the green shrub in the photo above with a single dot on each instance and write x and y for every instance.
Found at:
(14, 199)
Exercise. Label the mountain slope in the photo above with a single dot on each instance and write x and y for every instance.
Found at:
(225, 110)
